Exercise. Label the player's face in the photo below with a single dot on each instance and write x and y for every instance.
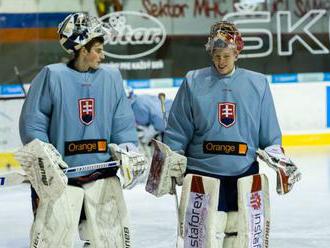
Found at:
(95, 56)
(224, 59)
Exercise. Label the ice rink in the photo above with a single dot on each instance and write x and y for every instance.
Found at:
(300, 219)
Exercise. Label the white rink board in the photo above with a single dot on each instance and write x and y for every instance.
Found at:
(9, 116)
(299, 106)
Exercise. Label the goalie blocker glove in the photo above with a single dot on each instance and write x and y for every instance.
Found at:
(286, 171)
(43, 166)
(166, 165)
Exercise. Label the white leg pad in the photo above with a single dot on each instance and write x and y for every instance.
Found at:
(253, 212)
(201, 225)
(56, 222)
(106, 214)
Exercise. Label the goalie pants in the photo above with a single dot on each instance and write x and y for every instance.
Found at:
(228, 187)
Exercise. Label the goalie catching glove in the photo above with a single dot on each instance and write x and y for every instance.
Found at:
(286, 171)
(133, 164)
(43, 167)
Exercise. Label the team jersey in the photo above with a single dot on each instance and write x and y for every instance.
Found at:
(220, 121)
(147, 111)
(80, 113)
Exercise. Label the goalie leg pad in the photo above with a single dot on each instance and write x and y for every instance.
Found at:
(201, 225)
(56, 222)
(106, 222)
(252, 221)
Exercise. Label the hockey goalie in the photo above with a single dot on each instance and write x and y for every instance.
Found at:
(77, 114)
(222, 118)
(60, 199)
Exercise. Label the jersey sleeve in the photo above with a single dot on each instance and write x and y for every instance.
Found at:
(123, 122)
(36, 111)
(270, 132)
(179, 130)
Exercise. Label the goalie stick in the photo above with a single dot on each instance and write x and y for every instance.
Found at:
(20, 81)
(19, 177)
(161, 97)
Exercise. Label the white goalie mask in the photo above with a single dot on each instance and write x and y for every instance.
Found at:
(78, 29)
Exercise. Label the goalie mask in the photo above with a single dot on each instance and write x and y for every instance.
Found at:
(224, 34)
(78, 29)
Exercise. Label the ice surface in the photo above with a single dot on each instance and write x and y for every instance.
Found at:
(300, 219)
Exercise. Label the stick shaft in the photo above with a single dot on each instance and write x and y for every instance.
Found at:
(19, 78)
(12, 178)
(18, 177)
(161, 97)
(90, 167)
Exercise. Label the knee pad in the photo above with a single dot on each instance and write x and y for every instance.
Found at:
(56, 222)
(106, 222)
(201, 225)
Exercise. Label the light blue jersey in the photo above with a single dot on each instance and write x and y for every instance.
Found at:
(221, 121)
(147, 111)
(79, 113)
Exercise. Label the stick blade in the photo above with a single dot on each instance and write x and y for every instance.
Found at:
(156, 170)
